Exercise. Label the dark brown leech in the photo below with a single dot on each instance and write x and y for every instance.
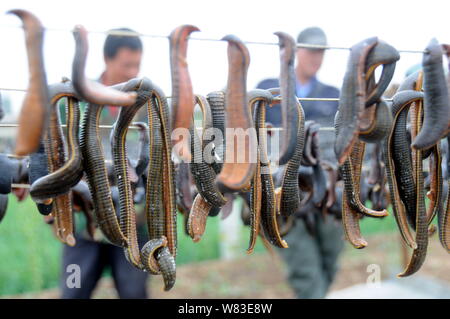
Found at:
(350, 217)
(216, 102)
(97, 176)
(167, 266)
(352, 99)
(375, 119)
(402, 100)
(60, 181)
(254, 97)
(54, 148)
(351, 174)
(169, 200)
(127, 213)
(380, 126)
(289, 113)
(382, 54)
(118, 138)
(268, 199)
(149, 251)
(331, 185)
(436, 186)
(311, 158)
(38, 167)
(184, 190)
(402, 160)
(255, 207)
(160, 261)
(290, 192)
(436, 100)
(144, 150)
(311, 145)
(443, 216)
(156, 216)
(201, 169)
(319, 185)
(82, 199)
(154, 206)
(421, 239)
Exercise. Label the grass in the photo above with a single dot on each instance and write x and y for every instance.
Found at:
(28, 250)
(370, 226)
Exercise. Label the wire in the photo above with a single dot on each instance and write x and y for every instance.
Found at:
(12, 89)
(146, 35)
(20, 185)
(277, 98)
(12, 125)
(133, 127)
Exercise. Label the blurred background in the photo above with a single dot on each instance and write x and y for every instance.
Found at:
(216, 267)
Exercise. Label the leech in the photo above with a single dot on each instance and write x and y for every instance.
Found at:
(197, 218)
(436, 100)
(352, 99)
(258, 100)
(90, 91)
(236, 174)
(34, 110)
(182, 93)
(62, 179)
(289, 112)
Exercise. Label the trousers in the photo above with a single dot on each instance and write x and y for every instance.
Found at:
(312, 261)
(92, 259)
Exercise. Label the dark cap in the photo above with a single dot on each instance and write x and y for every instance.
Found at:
(312, 35)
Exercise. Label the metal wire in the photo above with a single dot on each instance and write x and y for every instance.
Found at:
(146, 35)
(20, 186)
(277, 98)
(13, 125)
(12, 89)
(133, 127)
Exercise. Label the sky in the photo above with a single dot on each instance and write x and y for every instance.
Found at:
(407, 25)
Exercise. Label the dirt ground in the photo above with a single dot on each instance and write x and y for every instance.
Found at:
(263, 275)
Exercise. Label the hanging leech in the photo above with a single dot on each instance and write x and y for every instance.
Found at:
(371, 121)
(36, 100)
(154, 249)
(88, 90)
(62, 179)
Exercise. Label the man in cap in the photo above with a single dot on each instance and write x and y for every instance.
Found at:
(311, 258)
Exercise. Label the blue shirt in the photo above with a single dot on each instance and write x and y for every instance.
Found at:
(303, 90)
(320, 111)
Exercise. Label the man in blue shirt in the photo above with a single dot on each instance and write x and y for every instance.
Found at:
(311, 260)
